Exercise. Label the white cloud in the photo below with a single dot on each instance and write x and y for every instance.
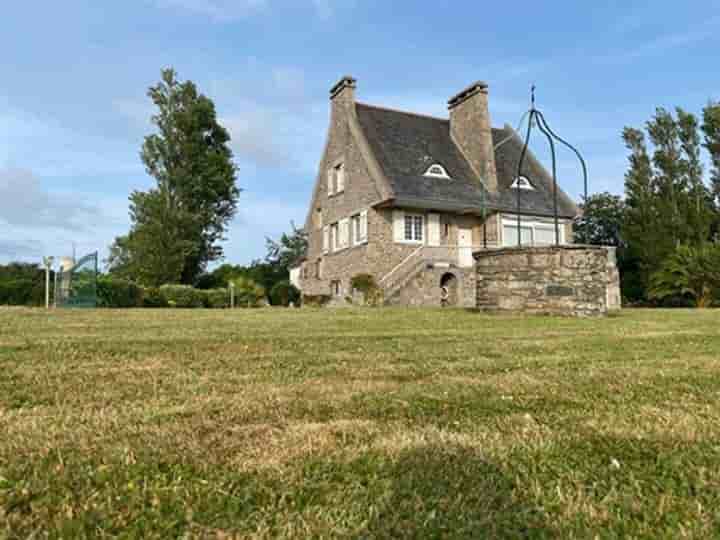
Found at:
(24, 202)
(35, 221)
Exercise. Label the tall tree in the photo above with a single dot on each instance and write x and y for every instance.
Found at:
(177, 226)
(711, 130)
(640, 226)
(698, 205)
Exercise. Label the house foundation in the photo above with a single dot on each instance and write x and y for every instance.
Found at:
(574, 280)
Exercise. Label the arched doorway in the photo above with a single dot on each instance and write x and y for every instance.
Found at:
(449, 290)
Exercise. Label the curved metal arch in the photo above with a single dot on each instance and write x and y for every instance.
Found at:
(543, 126)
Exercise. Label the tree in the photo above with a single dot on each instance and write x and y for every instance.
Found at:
(642, 219)
(177, 226)
(689, 271)
(286, 253)
(711, 129)
(601, 220)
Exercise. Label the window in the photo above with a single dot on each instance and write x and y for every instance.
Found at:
(413, 228)
(318, 218)
(335, 236)
(318, 269)
(336, 288)
(339, 178)
(437, 171)
(336, 179)
(344, 233)
(359, 228)
(533, 232)
(326, 239)
(521, 182)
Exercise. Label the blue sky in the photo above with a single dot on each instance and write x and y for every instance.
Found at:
(74, 111)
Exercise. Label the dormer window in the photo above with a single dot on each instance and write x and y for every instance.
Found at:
(437, 171)
(521, 182)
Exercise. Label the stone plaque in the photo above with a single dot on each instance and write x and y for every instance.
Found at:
(559, 290)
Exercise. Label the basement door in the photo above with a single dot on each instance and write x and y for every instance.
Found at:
(465, 258)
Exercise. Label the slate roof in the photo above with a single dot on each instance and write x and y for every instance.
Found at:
(406, 144)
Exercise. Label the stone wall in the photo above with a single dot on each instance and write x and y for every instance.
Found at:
(424, 290)
(568, 280)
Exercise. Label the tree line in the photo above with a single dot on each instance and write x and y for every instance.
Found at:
(667, 225)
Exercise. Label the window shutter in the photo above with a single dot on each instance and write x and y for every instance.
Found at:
(433, 237)
(330, 181)
(326, 239)
(363, 226)
(344, 233)
(340, 178)
(398, 225)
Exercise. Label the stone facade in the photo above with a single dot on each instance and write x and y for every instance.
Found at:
(566, 280)
(410, 273)
(426, 288)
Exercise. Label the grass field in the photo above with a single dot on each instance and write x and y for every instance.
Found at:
(358, 423)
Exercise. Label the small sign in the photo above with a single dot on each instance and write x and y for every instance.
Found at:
(559, 290)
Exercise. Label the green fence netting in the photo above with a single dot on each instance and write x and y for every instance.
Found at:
(77, 285)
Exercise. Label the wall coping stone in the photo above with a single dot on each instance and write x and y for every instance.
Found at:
(493, 252)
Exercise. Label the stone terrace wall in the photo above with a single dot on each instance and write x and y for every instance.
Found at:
(567, 280)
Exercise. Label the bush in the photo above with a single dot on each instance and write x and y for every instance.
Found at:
(366, 284)
(182, 296)
(284, 292)
(23, 284)
(248, 293)
(154, 298)
(216, 298)
(115, 292)
(689, 272)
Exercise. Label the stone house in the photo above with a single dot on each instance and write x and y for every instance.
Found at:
(411, 199)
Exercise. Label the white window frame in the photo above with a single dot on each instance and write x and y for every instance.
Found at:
(339, 176)
(359, 228)
(326, 239)
(522, 182)
(532, 223)
(414, 229)
(437, 171)
(335, 237)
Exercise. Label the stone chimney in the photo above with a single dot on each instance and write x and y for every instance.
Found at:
(342, 95)
(471, 130)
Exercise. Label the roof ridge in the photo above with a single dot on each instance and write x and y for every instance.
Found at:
(411, 113)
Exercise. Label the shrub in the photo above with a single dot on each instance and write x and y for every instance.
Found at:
(217, 298)
(154, 298)
(366, 284)
(115, 292)
(690, 272)
(284, 292)
(248, 293)
(182, 296)
(23, 284)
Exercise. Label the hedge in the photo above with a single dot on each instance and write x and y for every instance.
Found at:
(118, 293)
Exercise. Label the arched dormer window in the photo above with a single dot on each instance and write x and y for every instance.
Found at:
(521, 182)
(437, 170)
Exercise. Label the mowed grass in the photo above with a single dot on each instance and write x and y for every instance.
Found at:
(358, 423)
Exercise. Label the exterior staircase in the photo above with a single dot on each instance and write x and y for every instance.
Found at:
(415, 263)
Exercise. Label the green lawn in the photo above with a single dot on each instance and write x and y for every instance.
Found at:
(358, 423)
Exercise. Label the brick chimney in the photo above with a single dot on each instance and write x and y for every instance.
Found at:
(471, 130)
